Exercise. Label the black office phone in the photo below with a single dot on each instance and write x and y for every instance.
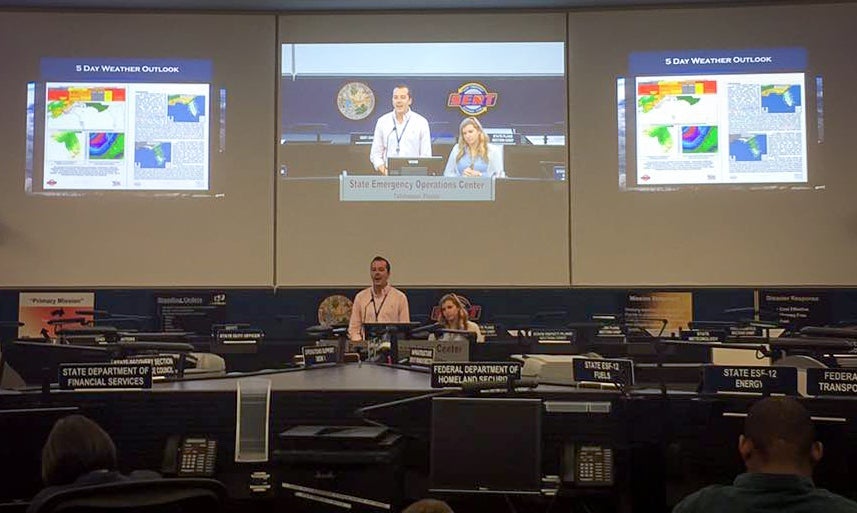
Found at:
(189, 456)
(588, 464)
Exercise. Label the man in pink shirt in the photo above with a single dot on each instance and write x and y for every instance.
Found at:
(379, 303)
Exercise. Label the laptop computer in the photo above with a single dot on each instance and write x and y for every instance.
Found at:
(415, 166)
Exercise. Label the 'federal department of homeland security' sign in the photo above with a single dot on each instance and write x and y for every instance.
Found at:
(842, 382)
(749, 379)
(317, 355)
(459, 374)
(97, 376)
(603, 370)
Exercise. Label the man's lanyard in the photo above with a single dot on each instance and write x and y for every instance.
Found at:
(378, 309)
(399, 137)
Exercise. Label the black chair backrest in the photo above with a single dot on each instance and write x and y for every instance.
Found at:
(178, 495)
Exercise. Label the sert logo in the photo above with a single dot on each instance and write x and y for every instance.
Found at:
(474, 312)
(472, 98)
(52, 182)
(645, 178)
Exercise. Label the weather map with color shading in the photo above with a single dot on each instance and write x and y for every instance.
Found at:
(153, 156)
(699, 139)
(106, 146)
(185, 108)
(71, 108)
(780, 98)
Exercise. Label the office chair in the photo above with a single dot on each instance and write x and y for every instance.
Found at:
(177, 495)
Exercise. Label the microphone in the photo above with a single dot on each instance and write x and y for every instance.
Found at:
(91, 312)
(68, 320)
(318, 330)
(10, 324)
(507, 385)
(741, 309)
(428, 328)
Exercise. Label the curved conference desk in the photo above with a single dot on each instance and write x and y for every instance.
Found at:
(658, 446)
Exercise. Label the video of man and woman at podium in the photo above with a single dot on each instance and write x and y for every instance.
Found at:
(446, 110)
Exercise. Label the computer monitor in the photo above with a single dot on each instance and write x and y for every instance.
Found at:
(30, 425)
(490, 445)
(36, 362)
(415, 166)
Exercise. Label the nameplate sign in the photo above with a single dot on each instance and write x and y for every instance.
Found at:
(489, 330)
(362, 137)
(421, 356)
(841, 382)
(745, 331)
(603, 370)
(749, 379)
(702, 335)
(415, 188)
(459, 374)
(239, 336)
(317, 355)
(102, 376)
(610, 331)
(554, 335)
(163, 366)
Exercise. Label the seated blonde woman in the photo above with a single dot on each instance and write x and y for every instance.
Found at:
(473, 155)
(453, 316)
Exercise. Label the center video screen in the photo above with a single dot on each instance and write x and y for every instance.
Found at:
(423, 121)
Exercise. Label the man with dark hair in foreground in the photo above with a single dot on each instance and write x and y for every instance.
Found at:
(779, 450)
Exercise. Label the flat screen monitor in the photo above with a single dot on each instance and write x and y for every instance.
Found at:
(37, 361)
(26, 428)
(490, 445)
(415, 166)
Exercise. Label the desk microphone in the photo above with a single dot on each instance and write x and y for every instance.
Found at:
(91, 312)
(428, 328)
(507, 385)
(67, 320)
(741, 309)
